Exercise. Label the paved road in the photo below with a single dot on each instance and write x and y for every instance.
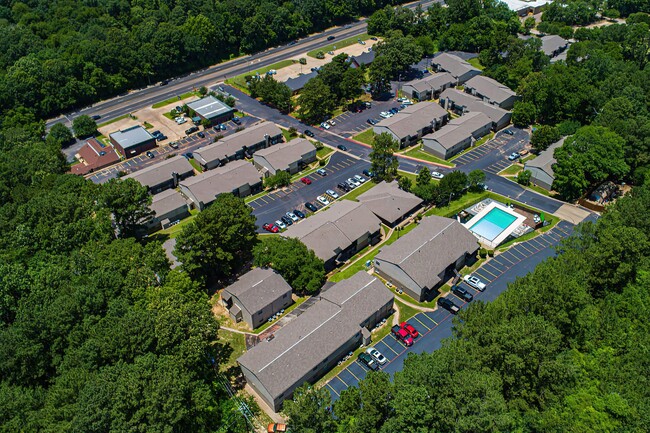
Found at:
(272, 206)
(135, 100)
(437, 325)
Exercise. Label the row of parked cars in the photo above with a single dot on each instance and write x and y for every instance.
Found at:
(462, 293)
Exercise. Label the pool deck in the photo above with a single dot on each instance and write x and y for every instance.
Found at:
(519, 220)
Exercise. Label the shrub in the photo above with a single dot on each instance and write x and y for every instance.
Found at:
(482, 253)
(320, 55)
(490, 253)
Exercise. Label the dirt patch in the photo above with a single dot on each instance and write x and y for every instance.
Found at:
(223, 317)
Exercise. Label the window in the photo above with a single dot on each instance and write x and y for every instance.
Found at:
(285, 295)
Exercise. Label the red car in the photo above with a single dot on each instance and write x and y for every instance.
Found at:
(410, 329)
(271, 228)
(305, 180)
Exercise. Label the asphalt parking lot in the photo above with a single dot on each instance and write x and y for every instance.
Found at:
(437, 325)
(492, 156)
(351, 123)
(187, 144)
(272, 206)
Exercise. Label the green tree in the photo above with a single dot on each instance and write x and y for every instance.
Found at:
(308, 411)
(476, 178)
(543, 137)
(384, 162)
(316, 101)
(218, 241)
(523, 114)
(129, 202)
(279, 179)
(523, 177)
(424, 177)
(452, 185)
(84, 126)
(60, 135)
(298, 265)
(404, 183)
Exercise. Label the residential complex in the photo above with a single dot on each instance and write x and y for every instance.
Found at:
(491, 91)
(459, 134)
(290, 157)
(429, 87)
(164, 174)
(413, 122)
(390, 203)
(541, 168)
(460, 102)
(169, 208)
(458, 68)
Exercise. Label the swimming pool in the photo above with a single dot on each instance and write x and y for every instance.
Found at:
(493, 223)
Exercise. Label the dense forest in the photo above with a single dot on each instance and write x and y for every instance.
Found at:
(564, 349)
(64, 54)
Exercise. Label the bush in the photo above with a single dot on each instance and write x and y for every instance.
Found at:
(318, 145)
(523, 178)
(279, 179)
(293, 132)
(303, 61)
(490, 253)
(320, 55)
(203, 91)
(482, 253)
(321, 163)
(84, 126)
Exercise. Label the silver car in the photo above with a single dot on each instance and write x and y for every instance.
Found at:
(332, 194)
(381, 359)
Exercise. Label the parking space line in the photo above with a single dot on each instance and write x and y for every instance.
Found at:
(350, 371)
(519, 253)
(484, 269)
(524, 247)
(416, 318)
(496, 260)
(430, 318)
(478, 272)
(539, 242)
(391, 349)
(502, 256)
(332, 389)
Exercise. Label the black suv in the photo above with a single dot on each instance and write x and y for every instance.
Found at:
(343, 186)
(285, 219)
(368, 361)
(308, 133)
(191, 130)
(448, 305)
(236, 121)
(463, 293)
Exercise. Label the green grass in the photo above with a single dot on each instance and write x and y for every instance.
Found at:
(174, 230)
(237, 343)
(196, 165)
(366, 136)
(352, 195)
(287, 310)
(324, 152)
(411, 176)
(476, 63)
(511, 171)
(552, 221)
(405, 311)
(540, 190)
(114, 120)
(420, 154)
(174, 99)
(147, 125)
(338, 44)
(457, 205)
(240, 80)
(287, 135)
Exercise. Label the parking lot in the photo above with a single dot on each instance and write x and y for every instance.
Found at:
(351, 123)
(270, 207)
(436, 325)
(493, 155)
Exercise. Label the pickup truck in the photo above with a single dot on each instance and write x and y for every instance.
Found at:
(448, 305)
(402, 335)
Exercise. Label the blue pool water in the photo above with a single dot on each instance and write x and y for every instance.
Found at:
(493, 223)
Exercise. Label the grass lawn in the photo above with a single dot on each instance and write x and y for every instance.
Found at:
(287, 135)
(540, 190)
(337, 44)
(174, 230)
(420, 154)
(324, 152)
(237, 343)
(196, 165)
(366, 136)
(352, 195)
(476, 63)
(405, 311)
(512, 170)
(114, 120)
(457, 205)
(240, 80)
(174, 99)
(147, 125)
(411, 176)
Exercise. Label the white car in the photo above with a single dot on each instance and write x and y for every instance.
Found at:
(436, 175)
(332, 194)
(293, 217)
(281, 225)
(354, 182)
(475, 282)
(359, 179)
(407, 102)
(385, 114)
(381, 359)
(325, 125)
(331, 122)
(180, 120)
(323, 200)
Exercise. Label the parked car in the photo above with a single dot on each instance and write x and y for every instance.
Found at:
(343, 186)
(173, 145)
(513, 156)
(201, 134)
(288, 221)
(350, 185)
(475, 282)
(373, 38)
(436, 175)
(188, 155)
(271, 228)
(523, 152)
(448, 305)
(368, 104)
(311, 207)
(367, 173)
(191, 130)
(354, 182)
(402, 335)
(305, 180)
(323, 200)
(161, 137)
(508, 131)
(331, 53)
(385, 114)
(381, 359)
(332, 194)
(180, 120)
(359, 179)
(325, 125)
(372, 121)
(321, 171)
(276, 428)
(410, 329)
(236, 121)
(156, 133)
(342, 147)
(308, 133)
(366, 359)
(463, 293)
(150, 154)
(164, 82)
(293, 217)
(281, 224)
(331, 122)
(299, 214)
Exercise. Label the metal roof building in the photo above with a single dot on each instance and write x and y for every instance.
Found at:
(132, 141)
(212, 109)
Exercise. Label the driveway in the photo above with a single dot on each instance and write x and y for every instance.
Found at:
(272, 206)
(351, 123)
(435, 326)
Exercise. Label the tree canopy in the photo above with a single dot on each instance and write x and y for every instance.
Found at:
(384, 162)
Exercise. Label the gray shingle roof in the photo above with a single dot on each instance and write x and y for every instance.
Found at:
(283, 154)
(456, 66)
(365, 58)
(228, 146)
(472, 103)
(206, 186)
(162, 171)
(545, 160)
(434, 82)
(459, 129)
(300, 81)
(489, 88)
(131, 137)
(316, 334)
(257, 288)
(167, 201)
(209, 107)
(427, 250)
(331, 231)
(413, 119)
(389, 202)
(552, 43)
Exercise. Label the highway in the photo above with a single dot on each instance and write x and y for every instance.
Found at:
(138, 99)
